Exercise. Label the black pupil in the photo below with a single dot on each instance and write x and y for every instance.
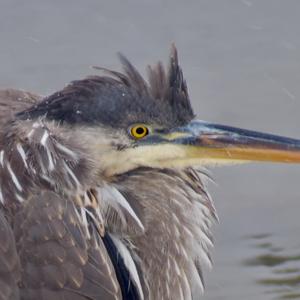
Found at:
(140, 130)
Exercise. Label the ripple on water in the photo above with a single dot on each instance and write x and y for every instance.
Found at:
(281, 265)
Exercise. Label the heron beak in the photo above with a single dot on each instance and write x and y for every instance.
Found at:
(214, 142)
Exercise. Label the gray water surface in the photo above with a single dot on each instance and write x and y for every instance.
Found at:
(241, 59)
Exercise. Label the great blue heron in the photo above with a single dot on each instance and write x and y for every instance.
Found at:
(99, 195)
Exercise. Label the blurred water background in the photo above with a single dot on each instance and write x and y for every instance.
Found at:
(241, 59)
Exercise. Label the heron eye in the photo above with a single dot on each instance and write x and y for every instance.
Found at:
(139, 131)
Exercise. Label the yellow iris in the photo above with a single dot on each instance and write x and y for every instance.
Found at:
(139, 131)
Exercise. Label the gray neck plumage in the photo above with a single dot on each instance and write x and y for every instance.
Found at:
(159, 220)
(174, 248)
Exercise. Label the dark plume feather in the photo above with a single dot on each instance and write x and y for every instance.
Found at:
(120, 99)
(135, 78)
(171, 87)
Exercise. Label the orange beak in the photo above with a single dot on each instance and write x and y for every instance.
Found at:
(218, 142)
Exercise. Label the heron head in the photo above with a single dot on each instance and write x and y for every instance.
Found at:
(127, 123)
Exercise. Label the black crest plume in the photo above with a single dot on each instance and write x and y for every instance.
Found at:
(119, 99)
